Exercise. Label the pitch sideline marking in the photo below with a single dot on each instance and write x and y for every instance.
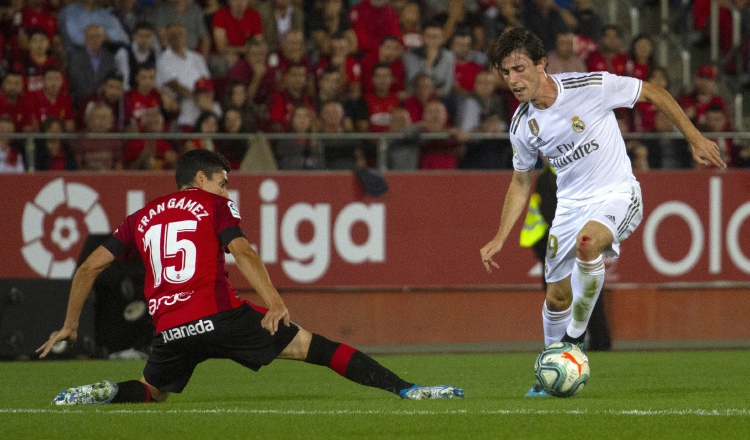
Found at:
(634, 412)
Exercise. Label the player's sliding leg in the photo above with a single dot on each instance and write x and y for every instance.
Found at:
(587, 278)
(360, 368)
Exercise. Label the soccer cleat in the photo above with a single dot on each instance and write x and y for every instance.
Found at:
(536, 391)
(94, 394)
(579, 341)
(416, 392)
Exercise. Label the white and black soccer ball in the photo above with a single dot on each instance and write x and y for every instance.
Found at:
(562, 369)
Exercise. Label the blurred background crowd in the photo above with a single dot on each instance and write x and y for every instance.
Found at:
(252, 67)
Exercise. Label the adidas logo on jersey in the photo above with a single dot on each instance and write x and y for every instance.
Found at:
(611, 218)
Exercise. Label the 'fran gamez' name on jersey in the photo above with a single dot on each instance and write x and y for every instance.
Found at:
(579, 135)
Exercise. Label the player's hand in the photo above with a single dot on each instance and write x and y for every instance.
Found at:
(276, 313)
(64, 334)
(488, 251)
(706, 152)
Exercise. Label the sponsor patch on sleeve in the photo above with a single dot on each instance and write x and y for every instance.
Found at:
(233, 209)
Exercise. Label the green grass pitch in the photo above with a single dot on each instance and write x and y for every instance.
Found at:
(631, 395)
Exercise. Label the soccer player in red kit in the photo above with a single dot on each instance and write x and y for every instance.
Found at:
(182, 238)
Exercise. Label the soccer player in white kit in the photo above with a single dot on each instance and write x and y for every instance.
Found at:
(569, 119)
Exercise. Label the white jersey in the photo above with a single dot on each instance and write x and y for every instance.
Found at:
(579, 136)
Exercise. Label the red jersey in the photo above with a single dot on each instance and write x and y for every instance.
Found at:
(31, 18)
(701, 105)
(617, 65)
(380, 111)
(644, 116)
(282, 105)
(136, 103)
(371, 24)
(39, 108)
(466, 73)
(243, 72)
(33, 73)
(237, 29)
(352, 69)
(637, 70)
(13, 109)
(181, 238)
(415, 109)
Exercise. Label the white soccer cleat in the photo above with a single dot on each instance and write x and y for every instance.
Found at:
(93, 394)
(417, 392)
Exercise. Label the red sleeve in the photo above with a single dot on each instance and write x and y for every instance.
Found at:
(219, 19)
(126, 231)
(257, 23)
(277, 109)
(66, 105)
(226, 214)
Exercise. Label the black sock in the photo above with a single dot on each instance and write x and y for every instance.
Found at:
(353, 365)
(132, 391)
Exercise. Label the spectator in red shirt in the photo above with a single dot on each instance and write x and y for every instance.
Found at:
(341, 59)
(716, 121)
(702, 96)
(12, 97)
(641, 57)
(98, 154)
(146, 96)
(381, 102)
(292, 51)
(232, 25)
(424, 92)
(389, 52)
(644, 112)
(49, 101)
(438, 154)
(465, 71)
(292, 95)
(254, 72)
(33, 16)
(372, 20)
(150, 154)
(110, 93)
(609, 57)
(53, 154)
(35, 61)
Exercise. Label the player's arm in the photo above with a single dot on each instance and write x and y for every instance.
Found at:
(704, 150)
(515, 202)
(249, 264)
(83, 280)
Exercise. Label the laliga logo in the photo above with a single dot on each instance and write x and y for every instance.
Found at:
(65, 228)
(310, 260)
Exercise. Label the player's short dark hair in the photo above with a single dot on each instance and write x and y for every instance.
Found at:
(196, 160)
(518, 39)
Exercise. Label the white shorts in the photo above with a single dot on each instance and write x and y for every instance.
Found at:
(620, 212)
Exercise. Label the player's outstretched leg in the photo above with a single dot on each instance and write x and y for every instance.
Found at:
(364, 370)
(103, 392)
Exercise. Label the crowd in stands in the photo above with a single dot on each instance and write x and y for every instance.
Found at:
(293, 66)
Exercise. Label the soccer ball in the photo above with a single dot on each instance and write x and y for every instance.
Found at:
(562, 369)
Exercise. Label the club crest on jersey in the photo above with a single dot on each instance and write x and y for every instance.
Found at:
(233, 209)
(578, 124)
(534, 127)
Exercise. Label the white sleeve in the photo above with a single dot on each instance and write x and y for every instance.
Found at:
(524, 155)
(619, 91)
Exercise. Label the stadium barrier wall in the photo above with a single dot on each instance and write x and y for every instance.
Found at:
(416, 248)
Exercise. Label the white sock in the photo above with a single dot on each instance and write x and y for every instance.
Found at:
(554, 324)
(586, 282)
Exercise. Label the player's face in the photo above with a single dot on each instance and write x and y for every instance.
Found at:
(216, 184)
(522, 75)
